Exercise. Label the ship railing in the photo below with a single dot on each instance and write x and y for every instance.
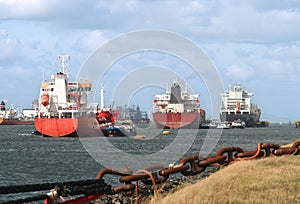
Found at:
(67, 106)
(191, 110)
(235, 111)
(155, 110)
(162, 103)
(70, 113)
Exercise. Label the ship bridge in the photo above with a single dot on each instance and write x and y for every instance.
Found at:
(236, 100)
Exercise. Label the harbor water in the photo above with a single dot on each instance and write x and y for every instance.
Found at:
(29, 159)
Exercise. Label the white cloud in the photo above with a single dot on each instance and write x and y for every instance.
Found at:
(242, 21)
(90, 41)
(249, 41)
(9, 46)
(16, 71)
(290, 53)
(25, 9)
(274, 68)
(240, 73)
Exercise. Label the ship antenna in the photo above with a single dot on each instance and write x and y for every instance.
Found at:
(64, 63)
(186, 87)
(167, 88)
(43, 74)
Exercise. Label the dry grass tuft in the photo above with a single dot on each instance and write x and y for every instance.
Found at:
(270, 180)
(290, 144)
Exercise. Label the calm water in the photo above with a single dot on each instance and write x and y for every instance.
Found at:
(32, 159)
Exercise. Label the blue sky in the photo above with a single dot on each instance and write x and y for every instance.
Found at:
(254, 43)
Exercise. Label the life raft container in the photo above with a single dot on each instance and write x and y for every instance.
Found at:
(45, 99)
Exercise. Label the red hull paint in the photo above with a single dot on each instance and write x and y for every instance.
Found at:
(56, 127)
(78, 200)
(15, 122)
(82, 127)
(177, 120)
(89, 127)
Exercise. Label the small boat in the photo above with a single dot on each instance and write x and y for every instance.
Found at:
(208, 124)
(113, 131)
(105, 117)
(127, 127)
(140, 137)
(238, 124)
(262, 124)
(223, 125)
(121, 129)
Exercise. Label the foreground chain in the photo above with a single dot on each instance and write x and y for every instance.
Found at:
(193, 165)
(87, 190)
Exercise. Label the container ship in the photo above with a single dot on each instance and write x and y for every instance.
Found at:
(177, 109)
(236, 105)
(63, 106)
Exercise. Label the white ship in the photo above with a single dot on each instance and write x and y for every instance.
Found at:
(236, 104)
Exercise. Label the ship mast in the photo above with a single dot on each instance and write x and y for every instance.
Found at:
(102, 97)
(64, 63)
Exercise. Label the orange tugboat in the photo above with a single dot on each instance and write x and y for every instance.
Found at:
(177, 109)
(62, 104)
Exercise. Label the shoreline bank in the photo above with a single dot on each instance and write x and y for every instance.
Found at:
(269, 180)
(274, 179)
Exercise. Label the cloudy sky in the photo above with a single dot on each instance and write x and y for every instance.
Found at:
(253, 43)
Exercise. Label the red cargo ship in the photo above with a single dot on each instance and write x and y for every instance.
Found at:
(177, 109)
(63, 105)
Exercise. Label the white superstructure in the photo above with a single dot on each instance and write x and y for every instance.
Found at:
(60, 97)
(236, 100)
(176, 101)
(236, 104)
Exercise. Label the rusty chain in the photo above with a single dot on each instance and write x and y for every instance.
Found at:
(194, 164)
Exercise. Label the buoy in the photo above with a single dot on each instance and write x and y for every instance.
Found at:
(166, 132)
(140, 137)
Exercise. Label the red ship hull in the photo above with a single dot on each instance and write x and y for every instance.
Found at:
(66, 127)
(177, 120)
(15, 122)
(56, 127)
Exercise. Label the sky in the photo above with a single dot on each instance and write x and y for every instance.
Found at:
(253, 43)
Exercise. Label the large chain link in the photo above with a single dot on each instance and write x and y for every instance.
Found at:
(195, 164)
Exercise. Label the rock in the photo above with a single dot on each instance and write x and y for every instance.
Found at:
(147, 191)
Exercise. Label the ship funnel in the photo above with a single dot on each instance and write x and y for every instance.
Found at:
(175, 93)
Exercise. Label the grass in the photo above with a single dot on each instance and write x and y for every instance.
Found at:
(269, 180)
(290, 144)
